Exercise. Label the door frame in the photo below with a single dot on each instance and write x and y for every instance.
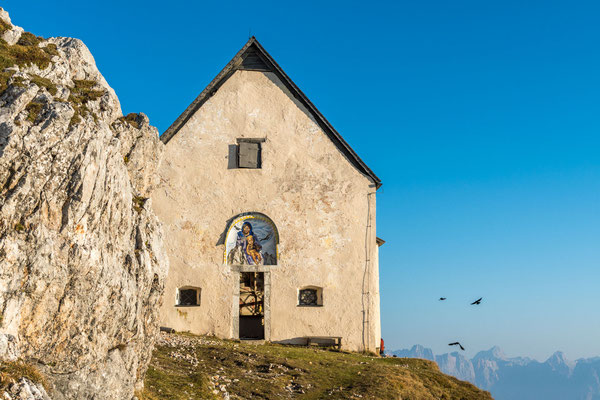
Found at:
(235, 325)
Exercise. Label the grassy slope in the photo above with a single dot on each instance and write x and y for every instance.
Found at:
(192, 367)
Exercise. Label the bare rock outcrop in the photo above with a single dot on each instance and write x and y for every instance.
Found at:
(25, 389)
(82, 264)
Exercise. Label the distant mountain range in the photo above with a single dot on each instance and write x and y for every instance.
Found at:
(519, 378)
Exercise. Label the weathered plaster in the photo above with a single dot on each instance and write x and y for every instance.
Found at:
(322, 206)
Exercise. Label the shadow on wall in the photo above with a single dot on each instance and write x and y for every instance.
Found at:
(232, 157)
(223, 236)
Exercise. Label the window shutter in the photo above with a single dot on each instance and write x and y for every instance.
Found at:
(249, 155)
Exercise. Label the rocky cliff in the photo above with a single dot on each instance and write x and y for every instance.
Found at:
(82, 264)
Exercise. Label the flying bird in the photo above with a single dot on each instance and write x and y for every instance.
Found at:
(478, 301)
(456, 343)
(442, 298)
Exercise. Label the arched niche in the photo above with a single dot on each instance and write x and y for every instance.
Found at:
(251, 239)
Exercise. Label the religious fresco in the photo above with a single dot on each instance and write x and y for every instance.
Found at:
(251, 240)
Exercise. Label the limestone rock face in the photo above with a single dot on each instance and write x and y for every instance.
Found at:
(8, 348)
(24, 389)
(13, 34)
(82, 264)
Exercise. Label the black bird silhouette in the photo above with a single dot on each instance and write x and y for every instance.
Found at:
(442, 298)
(478, 301)
(456, 343)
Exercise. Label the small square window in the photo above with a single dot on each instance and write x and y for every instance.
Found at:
(188, 297)
(249, 153)
(307, 297)
(310, 296)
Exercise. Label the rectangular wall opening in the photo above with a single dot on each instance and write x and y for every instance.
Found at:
(252, 305)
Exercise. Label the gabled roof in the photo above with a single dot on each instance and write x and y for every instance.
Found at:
(254, 57)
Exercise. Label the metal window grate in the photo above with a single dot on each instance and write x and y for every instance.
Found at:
(307, 297)
(188, 297)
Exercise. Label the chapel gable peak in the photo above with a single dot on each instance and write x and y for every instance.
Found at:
(253, 57)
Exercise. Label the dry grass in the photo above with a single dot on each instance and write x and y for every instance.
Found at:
(26, 52)
(138, 201)
(131, 119)
(44, 83)
(12, 372)
(275, 371)
(81, 94)
(4, 26)
(34, 109)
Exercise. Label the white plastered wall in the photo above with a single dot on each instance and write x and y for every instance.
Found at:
(320, 203)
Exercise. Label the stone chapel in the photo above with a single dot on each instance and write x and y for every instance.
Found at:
(268, 216)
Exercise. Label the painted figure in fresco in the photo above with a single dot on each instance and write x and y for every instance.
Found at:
(251, 249)
(248, 243)
(245, 247)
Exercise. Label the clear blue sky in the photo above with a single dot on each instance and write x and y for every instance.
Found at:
(480, 117)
